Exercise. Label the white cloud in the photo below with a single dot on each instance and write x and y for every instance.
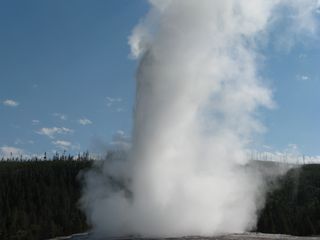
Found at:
(65, 145)
(115, 103)
(9, 151)
(120, 110)
(16, 126)
(18, 141)
(302, 56)
(120, 140)
(85, 121)
(318, 7)
(51, 132)
(62, 144)
(35, 122)
(61, 116)
(267, 147)
(112, 101)
(303, 77)
(10, 103)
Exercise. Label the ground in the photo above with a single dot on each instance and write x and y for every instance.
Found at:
(243, 236)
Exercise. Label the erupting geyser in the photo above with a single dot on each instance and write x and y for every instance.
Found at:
(197, 93)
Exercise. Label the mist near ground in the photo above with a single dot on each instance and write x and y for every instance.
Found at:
(195, 116)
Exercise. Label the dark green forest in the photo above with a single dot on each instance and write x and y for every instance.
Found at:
(293, 203)
(39, 199)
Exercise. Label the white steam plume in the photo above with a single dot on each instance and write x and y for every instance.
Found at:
(198, 89)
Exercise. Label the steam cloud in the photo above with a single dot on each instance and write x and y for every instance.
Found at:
(198, 90)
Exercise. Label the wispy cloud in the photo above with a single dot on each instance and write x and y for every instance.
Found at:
(302, 56)
(9, 151)
(10, 103)
(303, 77)
(65, 145)
(62, 144)
(35, 122)
(61, 116)
(115, 104)
(85, 121)
(51, 132)
(113, 101)
(119, 110)
(120, 140)
(18, 141)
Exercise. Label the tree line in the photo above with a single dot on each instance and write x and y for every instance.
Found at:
(293, 203)
(39, 199)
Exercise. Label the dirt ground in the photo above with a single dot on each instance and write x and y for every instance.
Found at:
(243, 236)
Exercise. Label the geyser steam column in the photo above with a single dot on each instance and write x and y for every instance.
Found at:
(197, 93)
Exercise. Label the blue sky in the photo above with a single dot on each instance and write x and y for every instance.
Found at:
(67, 82)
